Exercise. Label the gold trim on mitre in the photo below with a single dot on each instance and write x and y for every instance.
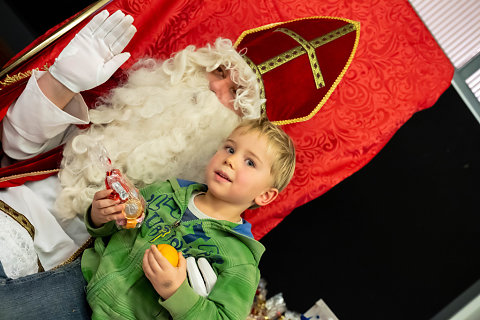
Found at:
(302, 49)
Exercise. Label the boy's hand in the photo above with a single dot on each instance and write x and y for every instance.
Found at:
(165, 278)
(105, 209)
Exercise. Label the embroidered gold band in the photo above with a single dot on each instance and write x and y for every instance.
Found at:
(312, 56)
(349, 27)
(17, 77)
(77, 253)
(30, 174)
(254, 67)
(50, 39)
(20, 218)
(9, 80)
(23, 221)
(305, 47)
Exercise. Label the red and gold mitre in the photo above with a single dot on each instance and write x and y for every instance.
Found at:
(299, 63)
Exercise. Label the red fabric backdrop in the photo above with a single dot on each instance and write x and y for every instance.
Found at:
(398, 69)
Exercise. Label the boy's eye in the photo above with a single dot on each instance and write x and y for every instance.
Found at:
(250, 163)
(230, 149)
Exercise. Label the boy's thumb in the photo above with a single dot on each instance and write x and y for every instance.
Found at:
(182, 262)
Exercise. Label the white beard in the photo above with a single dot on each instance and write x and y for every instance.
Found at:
(152, 130)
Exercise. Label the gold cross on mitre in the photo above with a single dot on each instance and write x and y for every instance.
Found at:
(286, 85)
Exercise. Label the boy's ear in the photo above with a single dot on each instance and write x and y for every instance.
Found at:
(266, 197)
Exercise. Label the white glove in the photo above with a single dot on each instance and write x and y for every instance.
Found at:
(94, 54)
(202, 278)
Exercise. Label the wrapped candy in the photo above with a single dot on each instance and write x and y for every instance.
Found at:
(275, 308)
(319, 311)
(123, 190)
(259, 309)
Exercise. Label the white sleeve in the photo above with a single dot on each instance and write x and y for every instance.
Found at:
(33, 124)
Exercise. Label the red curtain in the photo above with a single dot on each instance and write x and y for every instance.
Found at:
(398, 69)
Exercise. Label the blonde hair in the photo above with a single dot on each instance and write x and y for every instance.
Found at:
(279, 144)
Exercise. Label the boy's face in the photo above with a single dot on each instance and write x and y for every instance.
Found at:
(239, 172)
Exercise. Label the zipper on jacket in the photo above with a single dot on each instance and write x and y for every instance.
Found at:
(176, 224)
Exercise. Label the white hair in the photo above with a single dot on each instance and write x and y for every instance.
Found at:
(163, 122)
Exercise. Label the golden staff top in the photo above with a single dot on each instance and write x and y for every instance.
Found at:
(56, 35)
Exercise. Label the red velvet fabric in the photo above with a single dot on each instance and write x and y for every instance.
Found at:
(398, 69)
(290, 88)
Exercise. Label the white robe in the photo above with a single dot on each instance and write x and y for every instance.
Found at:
(33, 125)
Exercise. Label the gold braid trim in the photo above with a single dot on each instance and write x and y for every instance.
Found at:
(316, 43)
(61, 31)
(35, 173)
(27, 225)
(17, 77)
(77, 253)
(356, 24)
(23, 221)
(305, 47)
(258, 75)
(20, 218)
(9, 80)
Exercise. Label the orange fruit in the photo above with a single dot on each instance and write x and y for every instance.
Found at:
(169, 252)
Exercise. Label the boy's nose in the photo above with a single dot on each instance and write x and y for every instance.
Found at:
(230, 161)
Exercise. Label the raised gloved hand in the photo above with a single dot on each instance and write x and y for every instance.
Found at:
(95, 53)
(201, 276)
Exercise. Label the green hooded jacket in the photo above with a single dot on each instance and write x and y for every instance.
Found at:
(118, 289)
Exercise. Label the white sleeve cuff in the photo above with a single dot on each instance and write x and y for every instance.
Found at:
(37, 119)
(33, 122)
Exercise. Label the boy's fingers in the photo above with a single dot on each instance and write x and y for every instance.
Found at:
(109, 206)
(154, 258)
(149, 261)
(116, 209)
(146, 265)
(102, 194)
(117, 216)
(159, 258)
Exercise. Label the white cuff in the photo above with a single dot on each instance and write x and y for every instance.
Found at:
(33, 121)
(37, 119)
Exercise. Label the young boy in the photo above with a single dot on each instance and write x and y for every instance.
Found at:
(129, 278)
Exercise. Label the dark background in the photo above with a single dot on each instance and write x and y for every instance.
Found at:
(397, 240)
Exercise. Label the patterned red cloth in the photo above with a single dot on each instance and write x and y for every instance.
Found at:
(398, 69)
